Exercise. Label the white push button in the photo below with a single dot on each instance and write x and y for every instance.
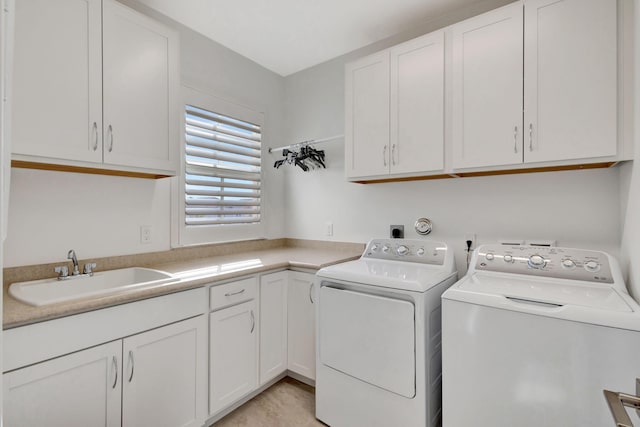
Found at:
(402, 250)
(508, 258)
(489, 256)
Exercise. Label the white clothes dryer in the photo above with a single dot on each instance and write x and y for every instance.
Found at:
(378, 335)
(533, 335)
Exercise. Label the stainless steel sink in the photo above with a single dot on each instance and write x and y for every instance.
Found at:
(51, 291)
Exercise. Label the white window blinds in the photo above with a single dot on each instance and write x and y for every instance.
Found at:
(222, 174)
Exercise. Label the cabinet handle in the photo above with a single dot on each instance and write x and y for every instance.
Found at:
(115, 369)
(132, 364)
(230, 294)
(393, 154)
(530, 136)
(110, 132)
(253, 322)
(384, 155)
(311, 293)
(515, 139)
(95, 138)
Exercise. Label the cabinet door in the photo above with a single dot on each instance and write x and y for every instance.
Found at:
(417, 105)
(273, 325)
(139, 76)
(302, 324)
(81, 389)
(57, 79)
(570, 79)
(164, 373)
(232, 354)
(367, 116)
(487, 89)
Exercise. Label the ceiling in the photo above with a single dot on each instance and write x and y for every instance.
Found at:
(287, 36)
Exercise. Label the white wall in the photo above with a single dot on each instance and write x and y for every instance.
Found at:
(576, 208)
(52, 212)
(630, 188)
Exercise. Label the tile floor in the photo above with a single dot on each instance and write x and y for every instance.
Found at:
(288, 403)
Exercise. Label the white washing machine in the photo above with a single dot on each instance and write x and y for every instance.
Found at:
(379, 333)
(532, 336)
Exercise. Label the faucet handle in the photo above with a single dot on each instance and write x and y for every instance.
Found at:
(88, 268)
(63, 272)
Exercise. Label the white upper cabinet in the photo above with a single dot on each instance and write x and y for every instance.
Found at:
(395, 111)
(487, 89)
(417, 105)
(570, 57)
(138, 56)
(57, 79)
(555, 100)
(79, 61)
(367, 116)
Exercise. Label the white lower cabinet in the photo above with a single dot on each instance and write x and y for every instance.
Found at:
(233, 351)
(158, 383)
(80, 389)
(302, 324)
(162, 382)
(273, 325)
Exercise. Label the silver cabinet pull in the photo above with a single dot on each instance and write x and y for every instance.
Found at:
(230, 294)
(311, 293)
(253, 322)
(384, 155)
(115, 369)
(95, 138)
(393, 154)
(131, 362)
(515, 139)
(110, 132)
(530, 136)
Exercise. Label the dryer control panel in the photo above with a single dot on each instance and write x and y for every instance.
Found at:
(408, 250)
(566, 263)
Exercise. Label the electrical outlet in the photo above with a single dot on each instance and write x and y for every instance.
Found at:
(145, 234)
(328, 228)
(472, 237)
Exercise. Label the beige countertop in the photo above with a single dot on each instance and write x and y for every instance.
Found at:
(190, 273)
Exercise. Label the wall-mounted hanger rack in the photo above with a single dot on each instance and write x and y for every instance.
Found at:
(305, 143)
(303, 154)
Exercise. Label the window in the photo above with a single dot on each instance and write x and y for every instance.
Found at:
(221, 181)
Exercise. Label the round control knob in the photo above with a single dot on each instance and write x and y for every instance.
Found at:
(386, 249)
(536, 261)
(402, 250)
(375, 247)
(489, 256)
(591, 266)
(568, 264)
(508, 258)
(420, 251)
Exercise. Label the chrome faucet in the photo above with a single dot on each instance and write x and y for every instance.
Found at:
(72, 256)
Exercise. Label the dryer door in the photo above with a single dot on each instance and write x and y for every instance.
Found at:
(368, 337)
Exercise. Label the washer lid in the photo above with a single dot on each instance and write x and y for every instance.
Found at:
(389, 274)
(557, 292)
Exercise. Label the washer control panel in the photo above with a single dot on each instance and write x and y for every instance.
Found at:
(576, 264)
(409, 250)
